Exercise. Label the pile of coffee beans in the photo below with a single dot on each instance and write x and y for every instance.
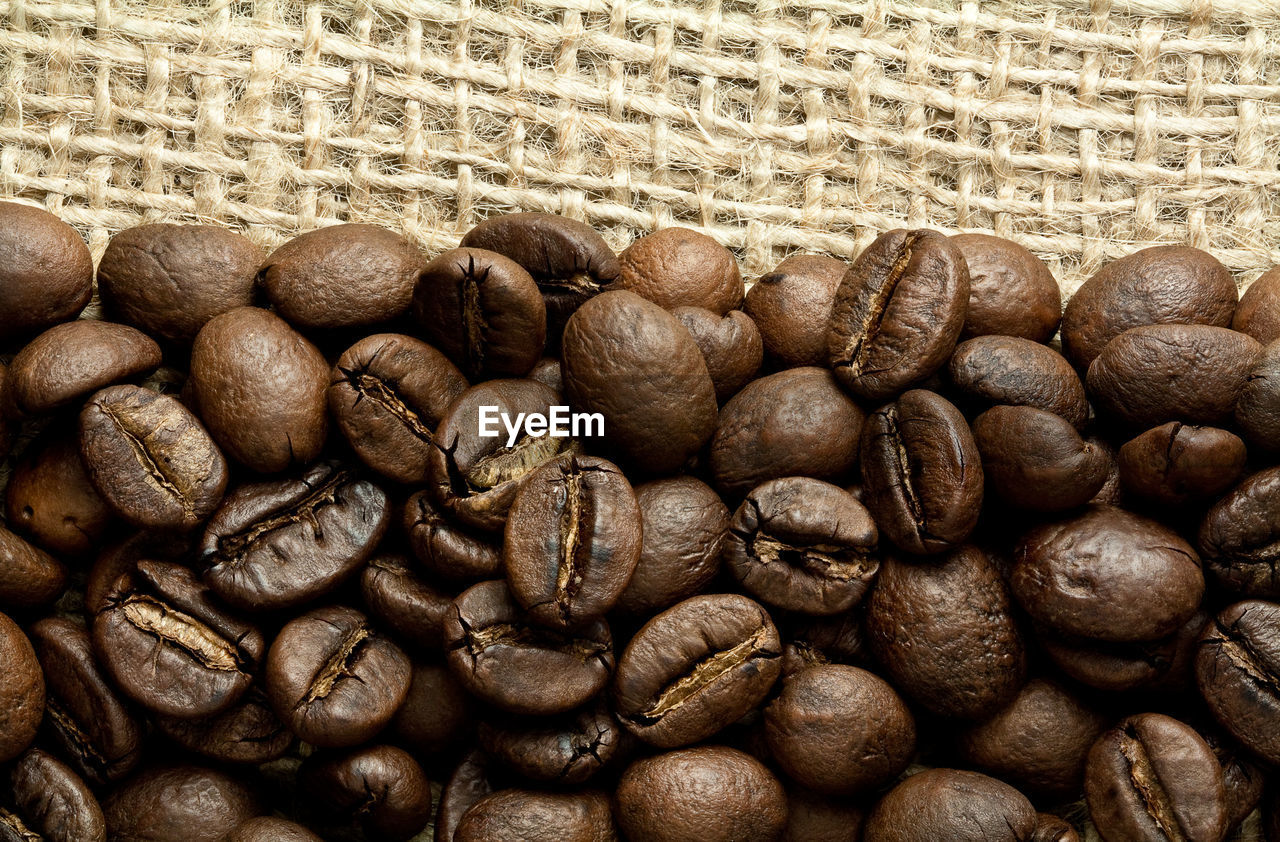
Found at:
(535, 541)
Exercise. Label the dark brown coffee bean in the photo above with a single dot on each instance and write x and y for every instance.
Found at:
(179, 804)
(387, 395)
(945, 632)
(1154, 286)
(47, 274)
(51, 499)
(993, 370)
(1258, 406)
(71, 361)
(572, 541)
(547, 371)
(468, 784)
(29, 577)
(1051, 828)
(22, 693)
(797, 422)
(1154, 778)
(522, 668)
(446, 549)
(1161, 665)
(679, 267)
(405, 603)
(1240, 537)
(1176, 464)
(635, 364)
(1243, 778)
(342, 276)
(816, 818)
(1036, 460)
(119, 558)
(684, 524)
(730, 345)
(437, 717)
(669, 798)
(840, 730)
(484, 311)
(150, 459)
(51, 803)
(247, 732)
(810, 641)
(514, 815)
(1258, 313)
(803, 545)
(898, 313)
(270, 829)
(696, 668)
(260, 387)
(380, 788)
(565, 750)
(921, 473)
(1194, 373)
(169, 280)
(1011, 291)
(951, 804)
(281, 543)
(1107, 574)
(1238, 671)
(791, 306)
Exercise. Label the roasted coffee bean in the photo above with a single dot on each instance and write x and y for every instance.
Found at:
(520, 667)
(815, 818)
(1051, 828)
(29, 577)
(791, 306)
(484, 311)
(1238, 671)
(1112, 491)
(635, 364)
(282, 543)
(1176, 464)
(270, 829)
(381, 788)
(468, 784)
(260, 388)
(342, 276)
(247, 732)
(679, 267)
(809, 641)
(1038, 741)
(387, 396)
(22, 693)
(47, 274)
(898, 313)
(444, 548)
(71, 361)
(85, 719)
(169, 280)
(990, 370)
(1154, 286)
(475, 478)
(1258, 405)
(6, 426)
(730, 345)
(119, 559)
(51, 500)
(333, 679)
(1036, 460)
(684, 524)
(437, 717)
(696, 668)
(921, 473)
(1242, 778)
(945, 632)
(569, 750)
(840, 730)
(670, 797)
(1011, 291)
(572, 541)
(797, 422)
(1240, 537)
(514, 815)
(1164, 664)
(1107, 574)
(803, 545)
(1157, 373)
(179, 804)
(547, 371)
(150, 459)
(951, 804)
(1258, 313)
(1154, 778)
(51, 803)
(170, 648)
(403, 602)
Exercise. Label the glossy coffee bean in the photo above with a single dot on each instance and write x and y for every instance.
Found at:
(1176, 464)
(791, 306)
(633, 363)
(696, 668)
(270, 829)
(514, 815)
(260, 386)
(921, 473)
(1238, 672)
(282, 543)
(120, 557)
(387, 395)
(445, 549)
(898, 313)
(381, 788)
(679, 267)
(803, 545)
(1158, 285)
(1051, 828)
(467, 785)
(1258, 313)
(179, 804)
(1033, 459)
(170, 647)
(1154, 778)
(945, 633)
(568, 750)
(523, 668)
(668, 798)
(150, 459)
(1243, 778)
(730, 345)
(437, 717)
(333, 679)
(1239, 537)
(483, 311)
(51, 802)
(29, 577)
(1116, 667)
(572, 541)
(1011, 291)
(797, 422)
(342, 276)
(1107, 574)
(951, 804)
(71, 361)
(51, 500)
(22, 693)
(1258, 405)
(247, 732)
(47, 274)
(840, 639)
(404, 603)
(815, 818)
(993, 370)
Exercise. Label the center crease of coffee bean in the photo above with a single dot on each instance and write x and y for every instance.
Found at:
(703, 674)
(1238, 650)
(828, 561)
(473, 322)
(338, 665)
(25, 834)
(71, 730)
(568, 576)
(509, 634)
(1150, 791)
(152, 467)
(378, 390)
(870, 328)
(508, 464)
(181, 630)
(235, 547)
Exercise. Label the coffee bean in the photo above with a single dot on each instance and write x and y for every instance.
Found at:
(247, 732)
(951, 804)
(119, 559)
(514, 815)
(446, 549)
(437, 717)
(791, 306)
(29, 577)
(51, 500)
(1238, 671)
(52, 803)
(381, 788)
(839, 639)
(1164, 664)
(467, 785)
(269, 829)
(47, 274)
(7, 427)
(730, 345)
(816, 818)
(1176, 464)
(22, 693)
(405, 603)
(1036, 460)
(71, 361)
(547, 371)
(1239, 536)
(990, 370)
(179, 804)
(567, 750)
(1011, 291)
(679, 267)
(1258, 406)
(1258, 313)
(1051, 828)
(898, 313)
(1243, 778)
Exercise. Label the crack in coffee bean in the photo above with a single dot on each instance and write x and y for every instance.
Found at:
(902, 470)
(71, 731)
(17, 828)
(235, 548)
(869, 330)
(155, 473)
(378, 390)
(703, 674)
(1147, 784)
(338, 666)
(183, 631)
(1241, 653)
(476, 641)
(510, 464)
(474, 325)
(828, 561)
(576, 510)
